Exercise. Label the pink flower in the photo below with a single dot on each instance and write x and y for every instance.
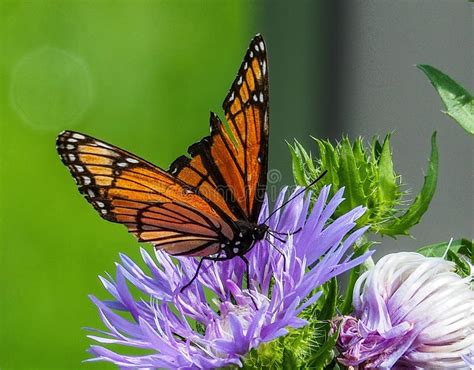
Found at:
(410, 310)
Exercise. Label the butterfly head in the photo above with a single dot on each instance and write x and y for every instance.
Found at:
(244, 241)
(259, 232)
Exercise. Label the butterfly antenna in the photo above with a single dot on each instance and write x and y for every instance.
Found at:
(296, 195)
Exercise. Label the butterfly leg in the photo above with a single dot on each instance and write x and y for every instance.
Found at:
(247, 273)
(272, 233)
(296, 231)
(279, 251)
(246, 261)
(195, 275)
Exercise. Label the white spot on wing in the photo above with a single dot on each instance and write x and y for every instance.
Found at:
(231, 97)
(100, 204)
(257, 48)
(72, 157)
(255, 98)
(103, 145)
(235, 250)
(131, 160)
(70, 147)
(79, 168)
(91, 193)
(87, 180)
(246, 65)
(71, 140)
(264, 67)
(262, 45)
(78, 136)
(122, 164)
(239, 82)
(251, 54)
(103, 211)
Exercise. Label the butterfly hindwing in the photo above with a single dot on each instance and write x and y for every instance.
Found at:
(154, 205)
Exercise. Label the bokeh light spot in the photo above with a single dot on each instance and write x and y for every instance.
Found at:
(51, 88)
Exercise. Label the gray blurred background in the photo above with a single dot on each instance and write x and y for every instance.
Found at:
(369, 85)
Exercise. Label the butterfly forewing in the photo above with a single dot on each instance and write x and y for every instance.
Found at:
(236, 162)
(154, 205)
(246, 110)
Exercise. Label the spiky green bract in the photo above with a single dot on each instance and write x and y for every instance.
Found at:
(458, 102)
(369, 179)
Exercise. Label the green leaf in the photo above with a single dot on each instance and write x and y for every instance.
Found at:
(467, 249)
(329, 308)
(439, 249)
(413, 215)
(346, 306)
(325, 354)
(462, 267)
(457, 249)
(457, 100)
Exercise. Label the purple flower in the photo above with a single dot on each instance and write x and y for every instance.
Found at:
(410, 311)
(215, 322)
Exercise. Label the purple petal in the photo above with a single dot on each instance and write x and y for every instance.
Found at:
(188, 331)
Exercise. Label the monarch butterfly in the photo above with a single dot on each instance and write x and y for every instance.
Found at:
(206, 204)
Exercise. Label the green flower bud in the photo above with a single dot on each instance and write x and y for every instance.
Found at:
(369, 179)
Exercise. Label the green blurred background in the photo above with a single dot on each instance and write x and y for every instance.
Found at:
(144, 75)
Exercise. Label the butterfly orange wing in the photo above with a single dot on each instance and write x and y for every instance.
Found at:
(235, 162)
(193, 207)
(155, 206)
